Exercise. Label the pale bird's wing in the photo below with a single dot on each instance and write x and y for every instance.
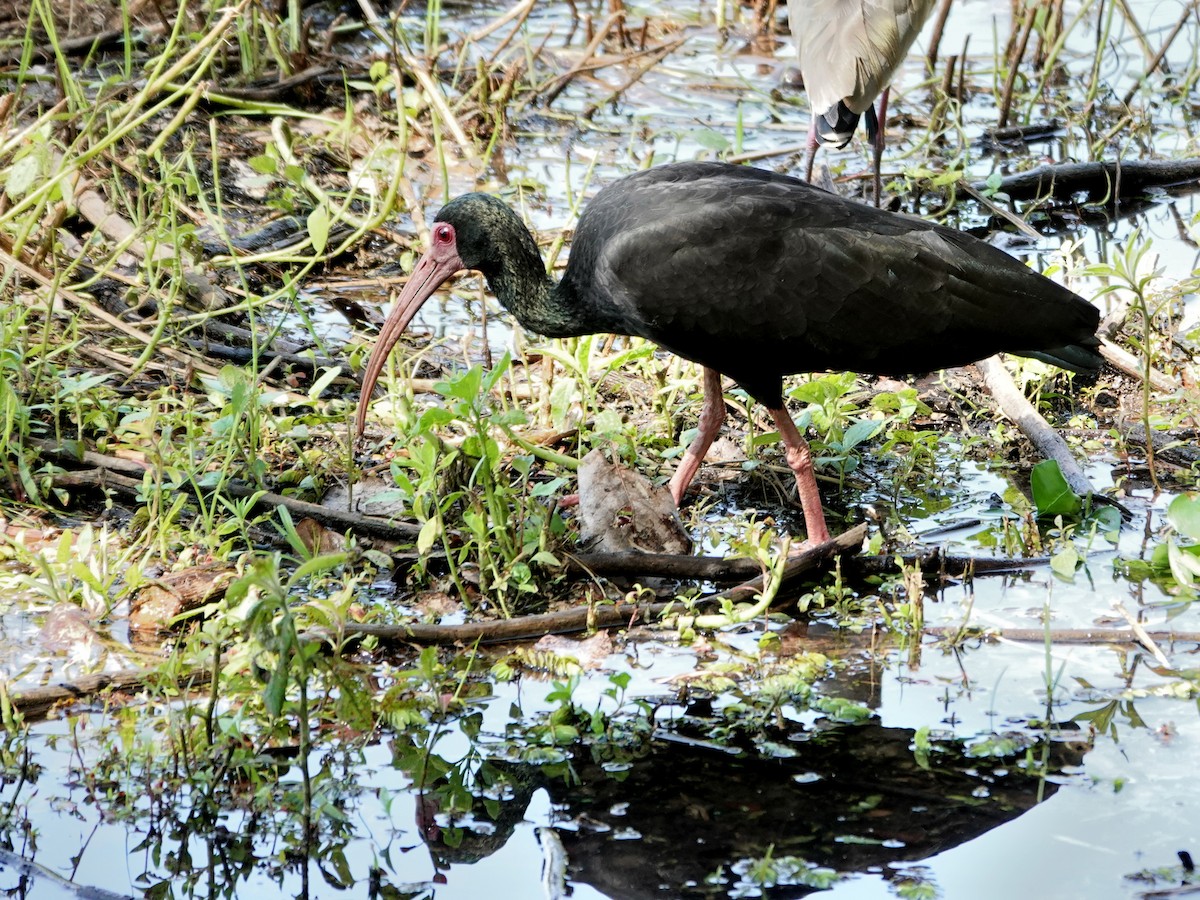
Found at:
(850, 49)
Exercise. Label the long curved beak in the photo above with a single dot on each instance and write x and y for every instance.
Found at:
(431, 272)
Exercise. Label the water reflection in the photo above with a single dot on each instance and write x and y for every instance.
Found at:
(682, 816)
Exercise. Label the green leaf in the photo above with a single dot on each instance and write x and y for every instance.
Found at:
(1108, 522)
(22, 175)
(1185, 567)
(326, 379)
(1052, 496)
(276, 690)
(318, 565)
(1064, 562)
(501, 366)
(318, 228)
(1184, 515)
(464, 387)
(710, 140)
(862, 430)
(263, 165)
(428, 534)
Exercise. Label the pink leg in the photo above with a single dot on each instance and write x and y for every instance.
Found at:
(812, 150)
(712, 416)
(882, 127)
(799, 459)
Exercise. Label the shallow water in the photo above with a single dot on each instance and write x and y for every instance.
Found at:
(1113, 800)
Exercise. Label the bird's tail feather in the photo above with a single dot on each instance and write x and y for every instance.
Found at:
(1082, 358)
(836, 125)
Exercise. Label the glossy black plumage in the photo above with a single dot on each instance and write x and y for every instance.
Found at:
(758, 275)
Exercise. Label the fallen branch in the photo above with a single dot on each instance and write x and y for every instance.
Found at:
(633, 564)
(108, 480)
(1130, 365)
(592, 617)
(1108, 178)
(36, 703)
(267, 90)
(1045, 439)
(715, 568)
(83, 44)
(997, 139)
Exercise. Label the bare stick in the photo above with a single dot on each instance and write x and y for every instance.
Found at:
(935, 39)
(1065, 179)
(1162, 51)
(1014, 64)
(1133, 367)
(103, 479)
(1044, 438)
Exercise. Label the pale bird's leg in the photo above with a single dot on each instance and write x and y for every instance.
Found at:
(880, 128)
(799, 459)
(712, 416)
(811, 149)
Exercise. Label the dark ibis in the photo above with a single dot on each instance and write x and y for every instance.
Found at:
(849, 50)
(756, 275)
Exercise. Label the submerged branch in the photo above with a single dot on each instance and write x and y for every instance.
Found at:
(1065, 635)
(36, 703)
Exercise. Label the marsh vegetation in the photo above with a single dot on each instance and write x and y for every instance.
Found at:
(242, 654)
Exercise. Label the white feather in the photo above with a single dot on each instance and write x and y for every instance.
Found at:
(850, 49)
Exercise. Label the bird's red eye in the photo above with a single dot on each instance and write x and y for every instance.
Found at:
(443, 234)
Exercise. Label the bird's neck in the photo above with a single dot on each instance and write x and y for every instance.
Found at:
(538, 303)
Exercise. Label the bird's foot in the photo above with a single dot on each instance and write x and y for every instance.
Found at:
(818, 535)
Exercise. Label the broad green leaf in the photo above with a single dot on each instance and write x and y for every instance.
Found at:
(710, 140)
(22, 175)
(1184, 515)
(1063, 562)
(1052, 496)
(1108, 521)
(862, 430)
(318, 565)
(434, 417)
(1185, 568)
(607, 421)
(501, 366)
